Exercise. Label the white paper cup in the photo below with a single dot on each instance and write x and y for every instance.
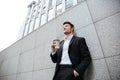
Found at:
(57, 43)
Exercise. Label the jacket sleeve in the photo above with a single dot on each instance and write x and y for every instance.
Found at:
(85, 57)
(54, 57)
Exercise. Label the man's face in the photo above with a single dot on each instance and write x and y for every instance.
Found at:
(67, 29)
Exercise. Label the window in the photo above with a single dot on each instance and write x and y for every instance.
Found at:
(58, 2)
(26, 29)
(79, 0)
(50, 14)
(40, 15)
(36, 23)
(68, 3)
(43, 21)
(50, 4)
(59, 9)
(31, 26)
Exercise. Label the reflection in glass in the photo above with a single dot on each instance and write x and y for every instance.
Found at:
(36, 23)
(68, 3)
(26, 29)
(43, 21)
(58, 2)
(50, 4)
(59, 9)
(80, 0)
(50, 14)
(31, 26)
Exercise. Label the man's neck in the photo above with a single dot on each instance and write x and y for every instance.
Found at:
(68, 35)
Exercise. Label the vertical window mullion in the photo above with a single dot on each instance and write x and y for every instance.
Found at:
(32, 9)
(27, 18)
(41, 8)
(63, 5)
(46, 11)
(36, 13)
(54, 8)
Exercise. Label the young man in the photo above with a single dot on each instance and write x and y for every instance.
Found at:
(73, 56)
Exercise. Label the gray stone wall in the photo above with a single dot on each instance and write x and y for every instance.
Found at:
(96, 20)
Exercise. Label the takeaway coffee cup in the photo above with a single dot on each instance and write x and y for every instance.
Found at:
(56, 42)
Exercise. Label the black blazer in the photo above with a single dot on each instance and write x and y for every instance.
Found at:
(78, 52)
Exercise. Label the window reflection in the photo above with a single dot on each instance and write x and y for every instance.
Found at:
(36, 23)
(31, 26)
(50, 4)
(50, 14)
(68, 3)
(26, 29)
(59, 9)
(80, 0)
(58, 2)
(43, 21)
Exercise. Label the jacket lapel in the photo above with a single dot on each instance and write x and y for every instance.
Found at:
(60, 51)
(61, 45)
(71, 41)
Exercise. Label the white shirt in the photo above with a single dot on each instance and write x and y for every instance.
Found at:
(65, 56)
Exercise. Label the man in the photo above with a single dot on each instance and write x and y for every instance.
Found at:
(73, 56)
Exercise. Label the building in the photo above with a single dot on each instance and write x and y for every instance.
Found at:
(96, 20)
(42, 11)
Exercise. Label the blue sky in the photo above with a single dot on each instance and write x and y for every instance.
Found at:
(12, 15)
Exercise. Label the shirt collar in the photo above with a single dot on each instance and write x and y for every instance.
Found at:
(69, 38)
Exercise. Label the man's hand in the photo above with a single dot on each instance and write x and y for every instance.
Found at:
(75, 73)
(53, 46)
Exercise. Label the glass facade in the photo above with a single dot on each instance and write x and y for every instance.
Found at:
(31, 26)
(68, 3)
(43, 11)
(50, 14)
(43, 19)
(58, 2)
(59, 9)
(50, 4)
(36, 23)
(26, 29)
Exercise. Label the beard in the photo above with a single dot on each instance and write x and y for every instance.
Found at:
(66, 33)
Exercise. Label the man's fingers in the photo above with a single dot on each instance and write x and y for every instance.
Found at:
(75, 73)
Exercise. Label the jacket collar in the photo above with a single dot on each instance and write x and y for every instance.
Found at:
(72, 40)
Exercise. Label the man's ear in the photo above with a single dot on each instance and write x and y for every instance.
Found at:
(72, 29)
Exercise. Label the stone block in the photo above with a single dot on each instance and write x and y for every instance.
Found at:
(3, 78)
(114, 67)
(46, 74)
(42, 57)
(46, 33)
(4, 68)
(109, 34)
(103, 8)
(25, 76)
(13, 50)
(97, 71)
(89, 33)
(13, 65)
(28, 42)
(26, 61)
(11, 77)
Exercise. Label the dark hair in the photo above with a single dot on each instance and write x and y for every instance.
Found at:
(67, 22)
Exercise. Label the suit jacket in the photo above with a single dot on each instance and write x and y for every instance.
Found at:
(79, 55)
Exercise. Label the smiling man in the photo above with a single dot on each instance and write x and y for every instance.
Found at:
(72, 57)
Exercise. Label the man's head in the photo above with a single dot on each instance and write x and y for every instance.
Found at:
(68, 28)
